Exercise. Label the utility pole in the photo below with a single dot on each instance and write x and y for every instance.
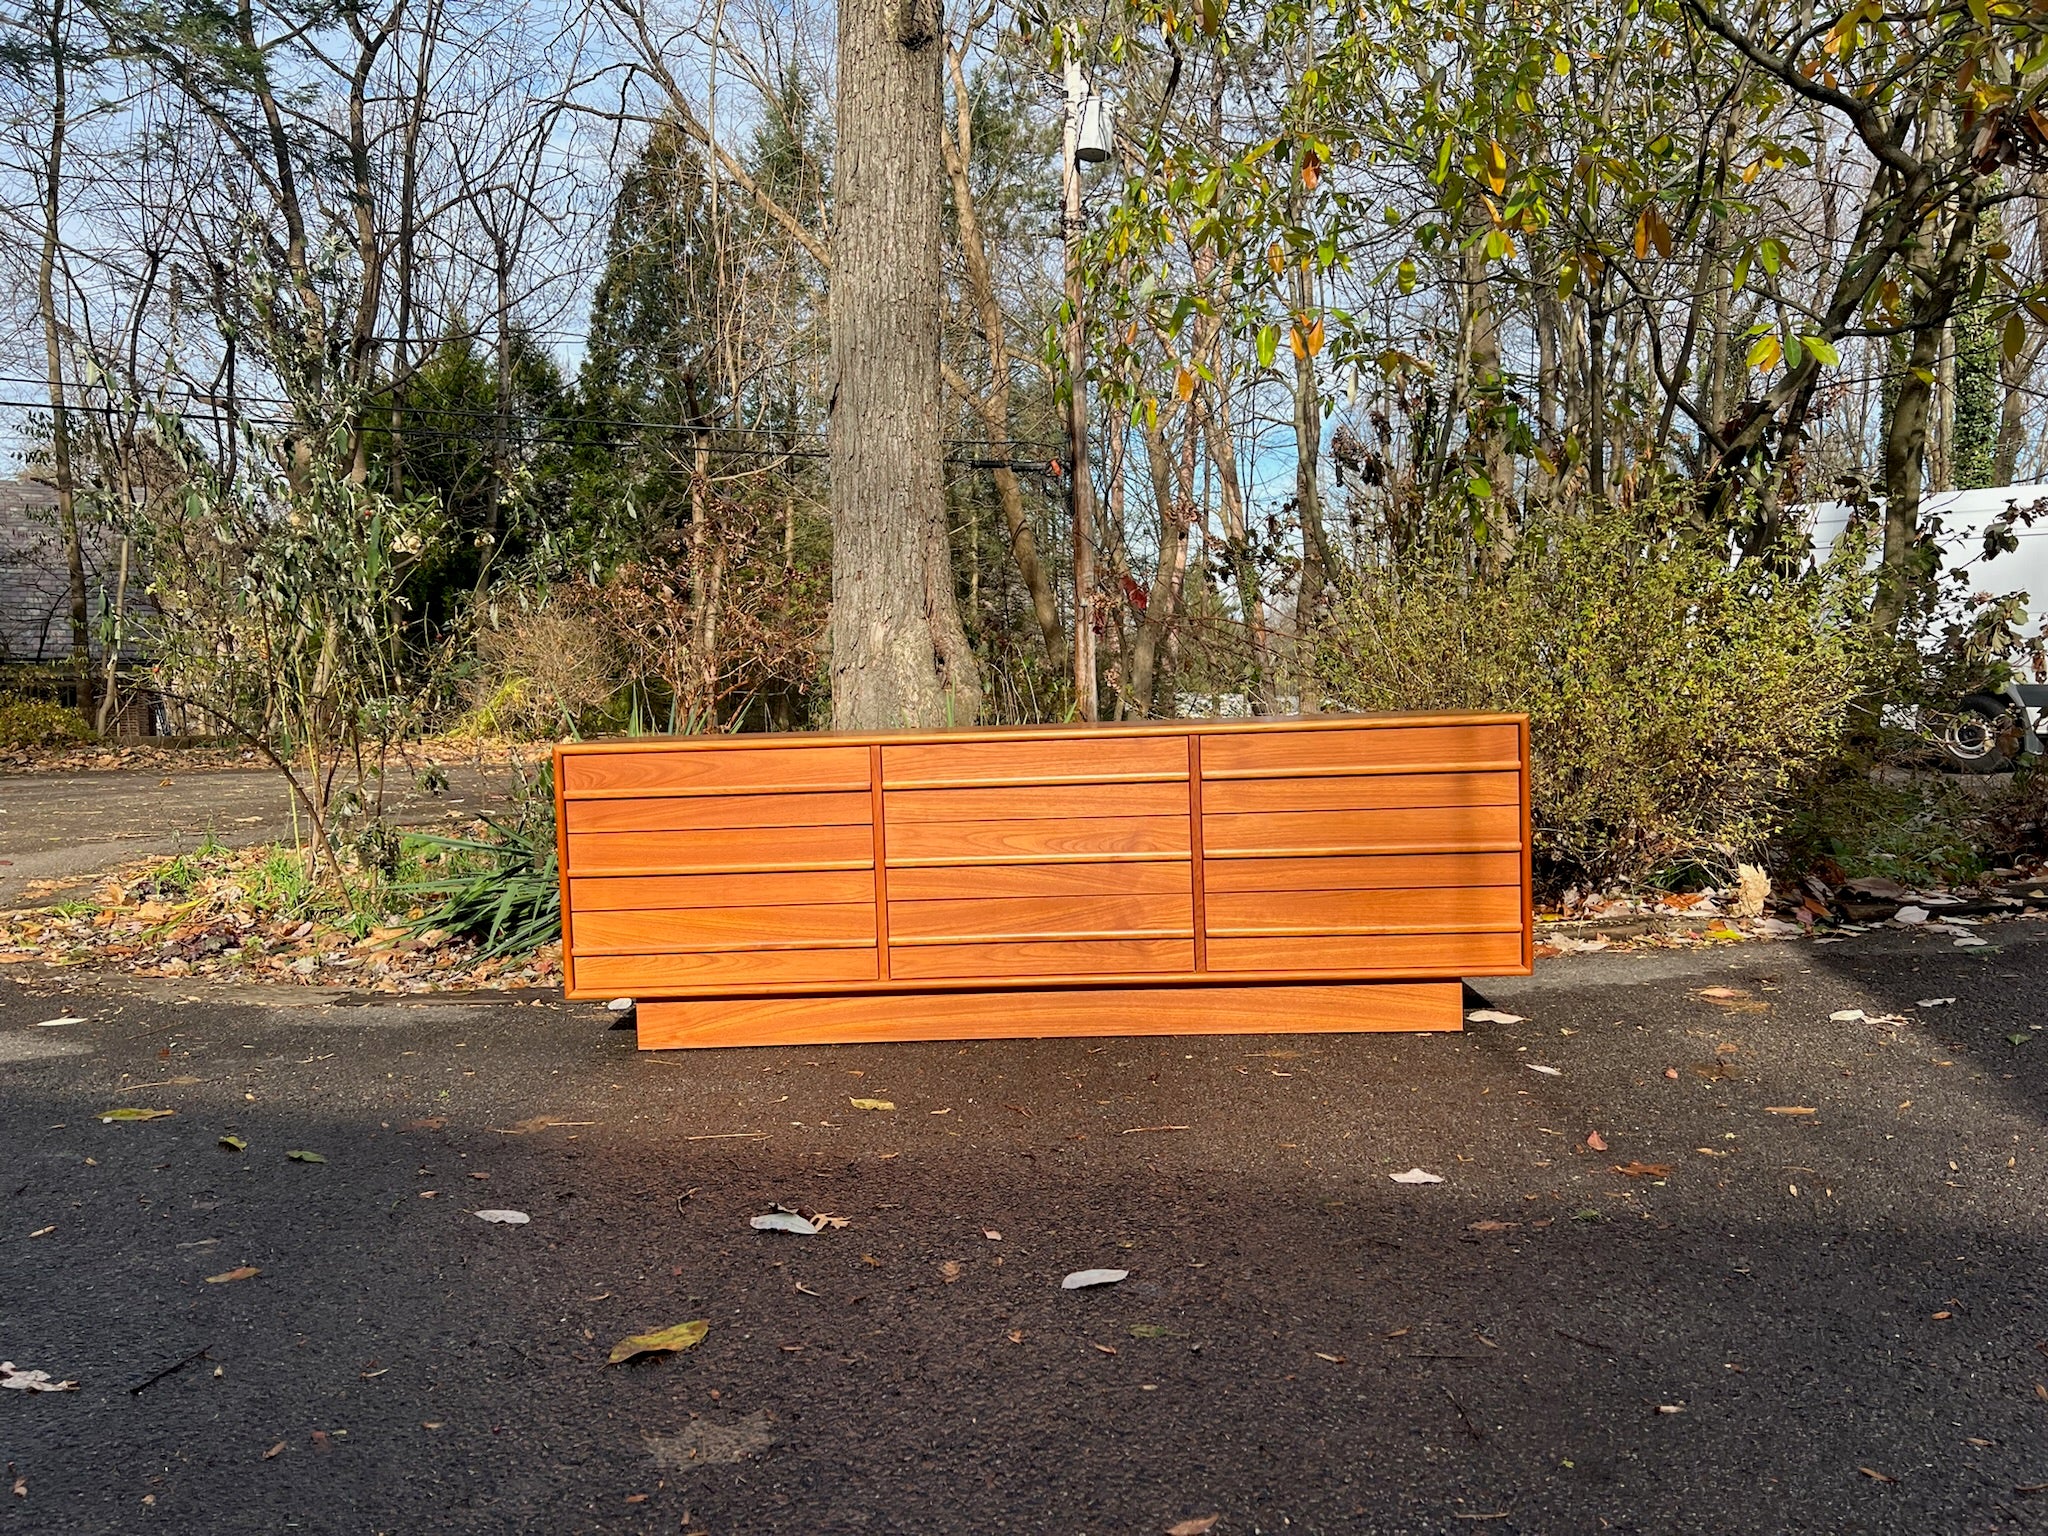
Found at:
(1080, 482)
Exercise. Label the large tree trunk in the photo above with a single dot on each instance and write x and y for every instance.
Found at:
(1904, 569)
(900, 655)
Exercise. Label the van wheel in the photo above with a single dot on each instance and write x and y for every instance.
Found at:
(1981, 736)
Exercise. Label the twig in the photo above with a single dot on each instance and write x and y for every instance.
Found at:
(176, 1365)
(1470, 1428)
(729, 1136)
(1134, 1130)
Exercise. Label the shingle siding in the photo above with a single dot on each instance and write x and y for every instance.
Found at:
(35, 588)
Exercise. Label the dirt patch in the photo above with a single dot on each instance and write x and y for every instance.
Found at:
(712, 1443)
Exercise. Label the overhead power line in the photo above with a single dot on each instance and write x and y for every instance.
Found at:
(753, 442)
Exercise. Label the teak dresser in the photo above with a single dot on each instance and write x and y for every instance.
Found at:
(1184, 877)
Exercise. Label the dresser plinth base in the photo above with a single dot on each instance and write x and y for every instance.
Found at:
(1023, 1014)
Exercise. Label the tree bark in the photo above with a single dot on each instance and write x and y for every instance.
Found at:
(1903, 569)
(53, 360)
(994, 408)
(900, 655)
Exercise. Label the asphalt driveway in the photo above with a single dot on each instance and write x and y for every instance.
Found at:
(1793, 1284)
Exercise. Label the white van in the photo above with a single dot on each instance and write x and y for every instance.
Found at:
(1988, 730)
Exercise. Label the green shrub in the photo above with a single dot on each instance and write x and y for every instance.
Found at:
(1918, 830)
(501, 889)
(1675, 700)
(32, 722)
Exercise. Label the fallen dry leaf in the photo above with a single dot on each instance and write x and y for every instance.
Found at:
(1333, 1359)
(949, 1271)
(275, 1450)
(871, 1103)
(1876, 1476)
(1596, 1141)
(1635, 1170)
(108, 1117)
(992, 1234)
(245, 1272)
(1081, 1279)
(1493, 1016)
(786, 1221)
(1493, 1226)
(1107, 1349)
(1199, 1527)
(1416, 1176)
(669, 1340)
(508, 1218)
(301, 1155)
(18, 1380)
(234, 1143)
(1546, 1071)
(1790, 1109)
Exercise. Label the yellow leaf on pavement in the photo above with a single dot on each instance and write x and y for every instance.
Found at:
(662, 1341)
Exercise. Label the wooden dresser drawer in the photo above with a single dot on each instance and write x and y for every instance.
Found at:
(1043, 840)
(1078, 759)
(1421, 954)
(1438, 909)
(1052, 960)
(1361, 748)
(686, 929)
(736, 849)
(721, 971)
(708, 769)
(1428, 829)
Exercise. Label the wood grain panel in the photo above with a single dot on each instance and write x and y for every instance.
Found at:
(677, 813)
(1427, 954)
(1359, 749)
(1362, 792)
(622, 893)
(1444, 909)
(1052, 959)
(1077, 759)
(1025, 842)
(595, 853)
(1304, 832)
(1344, 1008)
(686, 770)
(1018, 917)
(1034, 803)
(740, 970)
(1363, 872)
(838, 926)
(955, 883)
